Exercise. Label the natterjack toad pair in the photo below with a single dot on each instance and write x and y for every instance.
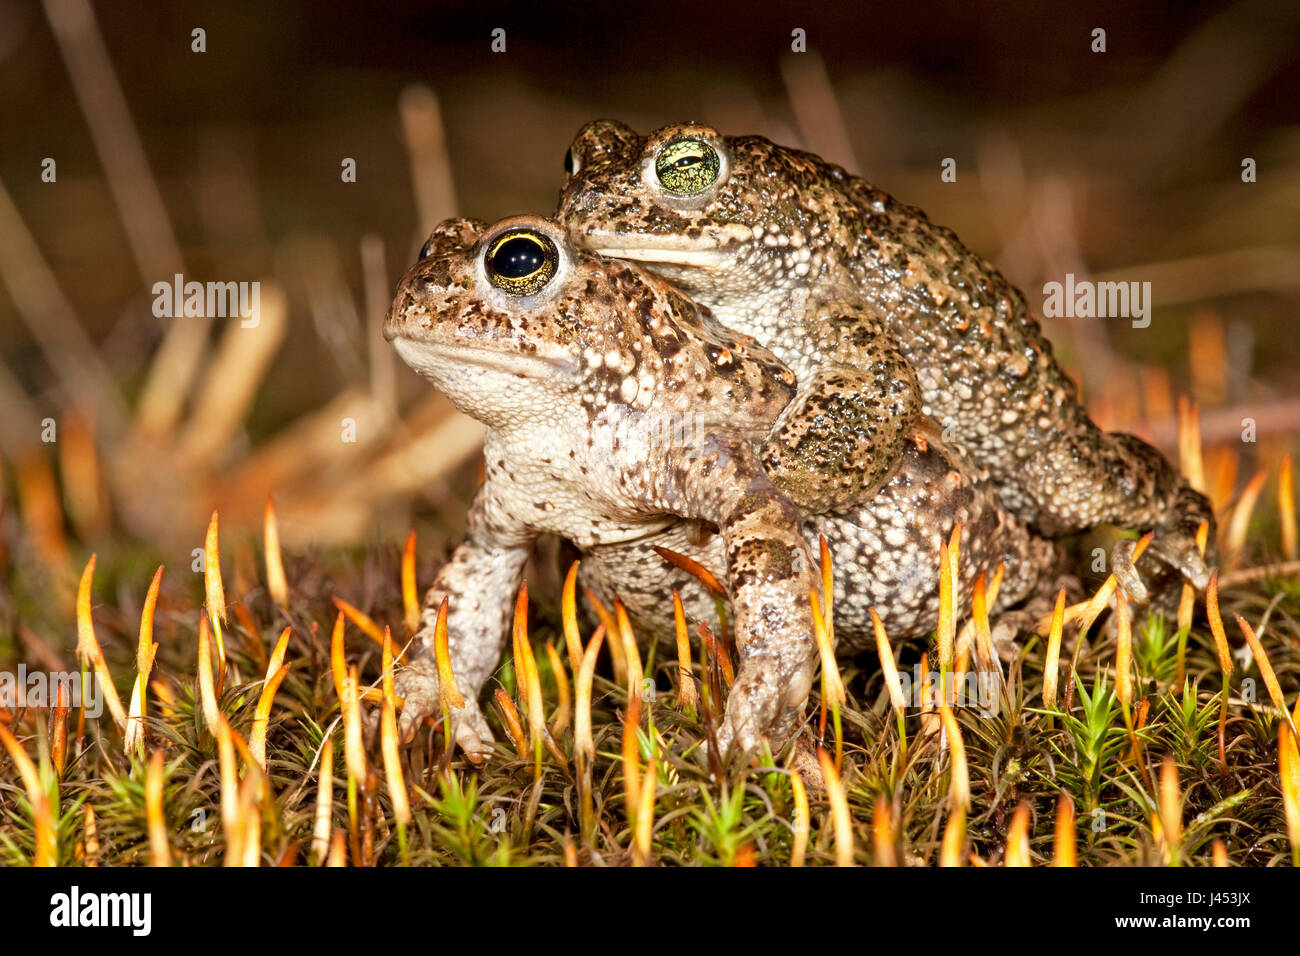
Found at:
(622, 414)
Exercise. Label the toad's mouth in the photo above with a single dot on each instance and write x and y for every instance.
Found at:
(658, 250)
(662, 255)
(433, 358)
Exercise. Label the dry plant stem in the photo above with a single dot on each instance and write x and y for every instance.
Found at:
(1287, 569)
(51, 320)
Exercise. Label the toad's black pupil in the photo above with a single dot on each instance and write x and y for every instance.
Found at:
(518, 258)
(568, 162)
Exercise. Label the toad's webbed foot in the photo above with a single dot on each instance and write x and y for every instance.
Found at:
(417, 685)
(1174, 545)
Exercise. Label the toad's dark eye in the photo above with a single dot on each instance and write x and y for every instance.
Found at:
(426, 250)
(570, 163)
(687, 167)
(521, 262)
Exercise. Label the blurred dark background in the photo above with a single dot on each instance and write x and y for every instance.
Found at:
(1122, 164)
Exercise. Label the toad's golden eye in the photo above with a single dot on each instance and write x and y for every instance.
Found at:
(521, 262)
(687, 167)
(570, 163)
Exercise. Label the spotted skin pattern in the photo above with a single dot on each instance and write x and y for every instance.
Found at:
(622, 416)
(783, 238)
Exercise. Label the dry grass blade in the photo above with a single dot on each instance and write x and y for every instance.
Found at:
(426, 145)
(1052, 662)
(1288, 766)
(631, 655)
(1171, 811)
(59, 734)
(1216, 625)
(1123, 650)
(338, 855)
(144, 657)
(51, 319)
(262, 715)
(695, 569)
(90, 838)
(717, 652)
(47, 846)
(529, 680)
(1265, 668)
(801, 822)
(233, 377)
(832, 683)
(1286, 508)
(959, 783)
(980, 618)
(135, 193)
(510, 719)
(393, 768)
(882, 833)
(324, 803)
(617, 659)
(1017, 854)
(560, 720)
(410, 593)
(364, 622)
(207, 688)
(231, 823)
(1064, 846)
(42, 514)
(448, 691)
(1189, 443)
(159, 850)
(828, 589)
(632, 761)
(215, 591)
(276, 584)
(1186, 608)
(1235, 539)
(840, 817)
(88, 649)
(687, 695)
(947, 629)
(354, 752)
(569, 618)
(582, 740)
(816, 108)
(887, 665)
(952, 851)
(1219, 854)
(645, 815)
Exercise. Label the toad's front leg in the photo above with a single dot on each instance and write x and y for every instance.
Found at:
(841, 437)
(479, 583)
(769, 573)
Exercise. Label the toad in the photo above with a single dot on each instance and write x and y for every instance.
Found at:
(810, 260)
(623, 416)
